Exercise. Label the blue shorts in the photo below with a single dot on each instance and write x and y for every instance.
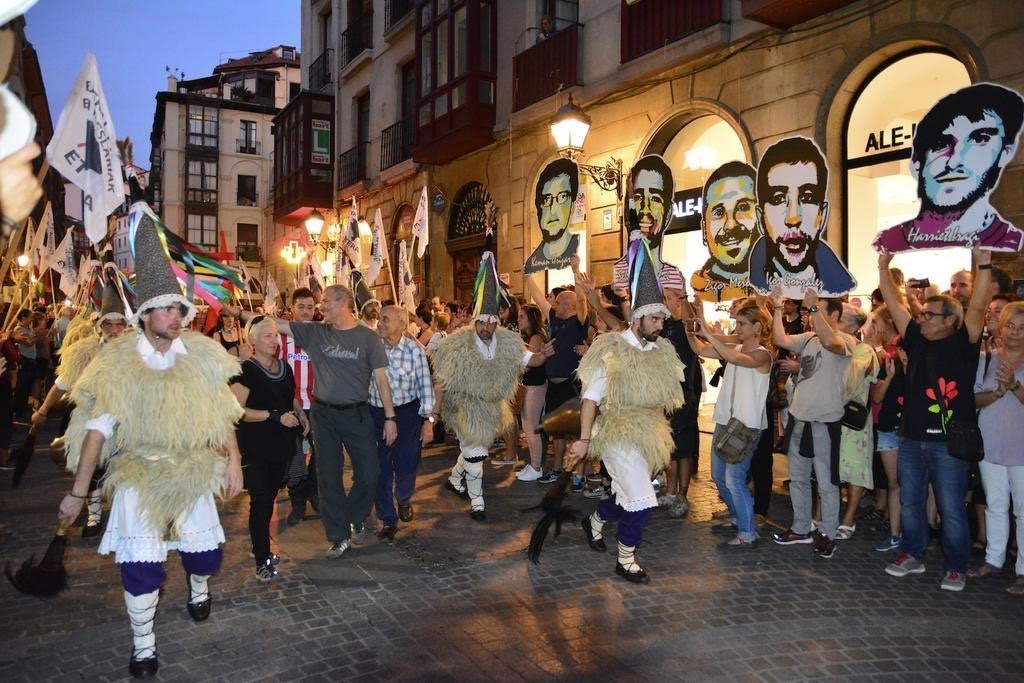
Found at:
(888, 441)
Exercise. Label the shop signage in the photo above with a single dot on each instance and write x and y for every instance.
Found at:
(687, 206)
(893, 138)
(320, 151)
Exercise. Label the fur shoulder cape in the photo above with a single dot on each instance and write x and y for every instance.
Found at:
(79, 328)
(642, 387)
(74, 358)
(477, 392)
(172, 425)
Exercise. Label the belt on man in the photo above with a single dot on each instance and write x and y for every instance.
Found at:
(339, 406)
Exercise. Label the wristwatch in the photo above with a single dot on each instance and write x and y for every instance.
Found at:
(390, 418)
(813, 308)
(431, 419)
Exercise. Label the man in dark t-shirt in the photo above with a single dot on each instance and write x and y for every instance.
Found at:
(942, 347)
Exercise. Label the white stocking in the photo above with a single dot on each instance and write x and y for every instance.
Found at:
(142, 614)
(596, 525)
(457, 472)
(475, 484)
(94, 504)
(199, 591)
(627, 558)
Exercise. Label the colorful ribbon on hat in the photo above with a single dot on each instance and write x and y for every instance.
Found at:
(638, 252)
(487, 264)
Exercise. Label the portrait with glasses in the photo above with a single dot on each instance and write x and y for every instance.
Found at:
(556, 192)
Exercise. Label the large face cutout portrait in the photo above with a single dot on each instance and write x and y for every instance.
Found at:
(649, 198)
(960, 149)
(729, 226)
(556, 191)
(791, 254)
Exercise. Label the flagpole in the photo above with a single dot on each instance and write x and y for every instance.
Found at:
(6, 265)
(391, 276)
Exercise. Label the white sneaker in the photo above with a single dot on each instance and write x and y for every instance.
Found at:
(528, 474)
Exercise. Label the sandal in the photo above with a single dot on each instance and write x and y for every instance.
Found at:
(984, 571)
(1017, 588)
(845, 532)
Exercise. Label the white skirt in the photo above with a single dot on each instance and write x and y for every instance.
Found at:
(131, 539)
(631, 479)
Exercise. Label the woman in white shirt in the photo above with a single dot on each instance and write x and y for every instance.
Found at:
(743, 395)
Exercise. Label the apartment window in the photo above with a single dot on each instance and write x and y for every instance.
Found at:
(202, 231)
(287, 53)
(247, 241)
(563, 12)
(202, 182)
(247, 190)
(293, 90)
(202, 126)
(247, 137)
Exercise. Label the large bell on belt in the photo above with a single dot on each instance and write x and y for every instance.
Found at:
(563, 422)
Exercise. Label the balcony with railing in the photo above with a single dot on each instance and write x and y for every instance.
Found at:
(395, 11)
(356, 38)
(320, 71)
(248, 252)
(543, 69)
(651, 25)
(247, 146)
(352, 165)
(396, 143)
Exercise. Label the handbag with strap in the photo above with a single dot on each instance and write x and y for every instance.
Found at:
(733, 442)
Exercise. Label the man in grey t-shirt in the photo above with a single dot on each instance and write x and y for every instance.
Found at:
(345, 357)
(817, 405)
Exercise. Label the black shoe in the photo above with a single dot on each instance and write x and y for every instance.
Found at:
(824, 546)
(463, 494)
(405, 512)
(198, 611)
(91, 530)
(478, 515)
(725, 529)
(633, 577)
(597, 544)
(387, 534)
(143, 668)
(298, 512)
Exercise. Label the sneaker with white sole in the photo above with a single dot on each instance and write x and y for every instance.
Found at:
(596, 492)
(905, 564)
(528, 473)
(953, 581)
(337, 549)
(551, 477)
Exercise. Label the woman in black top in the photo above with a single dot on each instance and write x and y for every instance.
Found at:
(266, 434)
(229, 335)
(535, 380)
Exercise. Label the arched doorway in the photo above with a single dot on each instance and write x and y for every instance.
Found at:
(467, 227)
(880, 192)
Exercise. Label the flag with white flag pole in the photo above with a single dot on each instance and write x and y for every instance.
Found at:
(43, 243)
(63, 261)
(420, 224)
(376, 249)
(350, 237)
(406, 288)
(84, 150)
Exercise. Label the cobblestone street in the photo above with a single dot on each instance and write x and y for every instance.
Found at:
(455, 600)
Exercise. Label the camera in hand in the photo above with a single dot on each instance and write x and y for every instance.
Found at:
(915, 283)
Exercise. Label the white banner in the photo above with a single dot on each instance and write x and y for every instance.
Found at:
(84, 150)
(421, 224)
(350, 238)
(406, 288)
(63, 261)
(377, 249)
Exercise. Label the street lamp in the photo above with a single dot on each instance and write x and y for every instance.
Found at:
(314, 228)
(569, 128)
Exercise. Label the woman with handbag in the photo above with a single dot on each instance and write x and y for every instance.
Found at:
(739, 415)
(999, 394)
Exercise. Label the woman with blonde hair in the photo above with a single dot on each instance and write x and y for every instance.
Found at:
(743, 395)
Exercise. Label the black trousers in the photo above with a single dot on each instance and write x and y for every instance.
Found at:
(262, 481)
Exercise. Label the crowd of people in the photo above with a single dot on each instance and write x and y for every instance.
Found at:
(865, 403)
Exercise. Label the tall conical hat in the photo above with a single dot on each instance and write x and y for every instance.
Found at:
(644, 285)
(487, 292)
(113, 305)
(361, 292)
(155, 284)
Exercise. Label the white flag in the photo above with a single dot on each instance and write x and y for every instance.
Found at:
(270, 298)
(406, 288)
(63, 261)
(350, 237)
(377, 253)
(43, 243)
(84, 150)
(420, 224)
(343, 271)
(30, 240)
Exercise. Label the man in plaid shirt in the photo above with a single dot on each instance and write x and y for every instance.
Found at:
(412, 391)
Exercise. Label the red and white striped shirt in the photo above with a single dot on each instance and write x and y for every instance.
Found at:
(302, 369)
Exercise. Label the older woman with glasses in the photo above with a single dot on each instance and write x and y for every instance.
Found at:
(266, 435)
(1000, 399)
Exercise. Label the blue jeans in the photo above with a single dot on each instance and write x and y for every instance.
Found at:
(732, 487)
(929, 462)
(398, 462)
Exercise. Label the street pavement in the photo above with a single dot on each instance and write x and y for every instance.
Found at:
(456, 600)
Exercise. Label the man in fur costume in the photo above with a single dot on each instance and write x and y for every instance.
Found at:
(630, 379)
(75, 356)
(477, 369)
(155, 408)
